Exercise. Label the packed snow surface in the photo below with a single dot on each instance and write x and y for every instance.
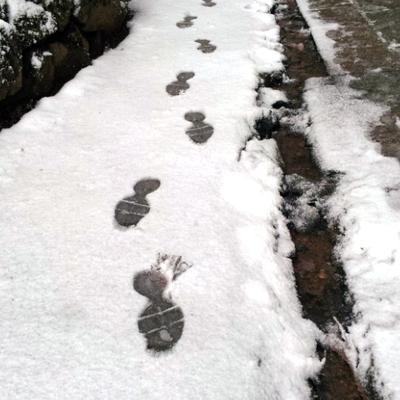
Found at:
(68, 309)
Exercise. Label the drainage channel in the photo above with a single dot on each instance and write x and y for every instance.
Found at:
(320, 279)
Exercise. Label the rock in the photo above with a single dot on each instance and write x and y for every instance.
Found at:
(39, 74)
(47, 68)
(102, 15)
(59, 52)
(281, 104)
(75, 39)
(70, 55)
(97, 43)
(267, 125)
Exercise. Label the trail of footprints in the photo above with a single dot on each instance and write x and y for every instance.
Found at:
(162, 321)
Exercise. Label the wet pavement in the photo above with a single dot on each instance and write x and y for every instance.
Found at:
(367, 45)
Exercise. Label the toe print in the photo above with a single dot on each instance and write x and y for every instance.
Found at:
(132, 209)
(209, 3)
(200, 131)
(186, 23)
(205, 46)
(162, 321)
(180, 85)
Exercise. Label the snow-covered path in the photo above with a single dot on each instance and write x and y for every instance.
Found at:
(68, 309)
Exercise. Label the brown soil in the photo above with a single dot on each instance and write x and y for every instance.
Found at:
(320, 279)
(297, 158)
(337, 380)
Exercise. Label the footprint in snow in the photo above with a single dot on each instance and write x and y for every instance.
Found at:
(162, 321)
(200, 131)
(208, 3)
(130, 210)
(180, 85)
(186, 23)
(205, 46)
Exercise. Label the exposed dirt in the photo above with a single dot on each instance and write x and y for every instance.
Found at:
(320, 279)
(296, 156)
(337, 381)
(320, 283)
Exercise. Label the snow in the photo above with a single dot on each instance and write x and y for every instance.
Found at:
(22, 14)
(305, 202)
(366, 205)
(37, 60)
(5, 29)
(319, 29)
(18, 9)
(68, 308)
(394, 46)
(268, 97)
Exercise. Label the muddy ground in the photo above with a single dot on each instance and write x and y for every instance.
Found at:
(320, 279)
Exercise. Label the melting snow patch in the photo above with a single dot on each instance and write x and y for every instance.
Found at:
(366, 208)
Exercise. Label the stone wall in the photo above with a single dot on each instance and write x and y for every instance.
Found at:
(44, 43)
